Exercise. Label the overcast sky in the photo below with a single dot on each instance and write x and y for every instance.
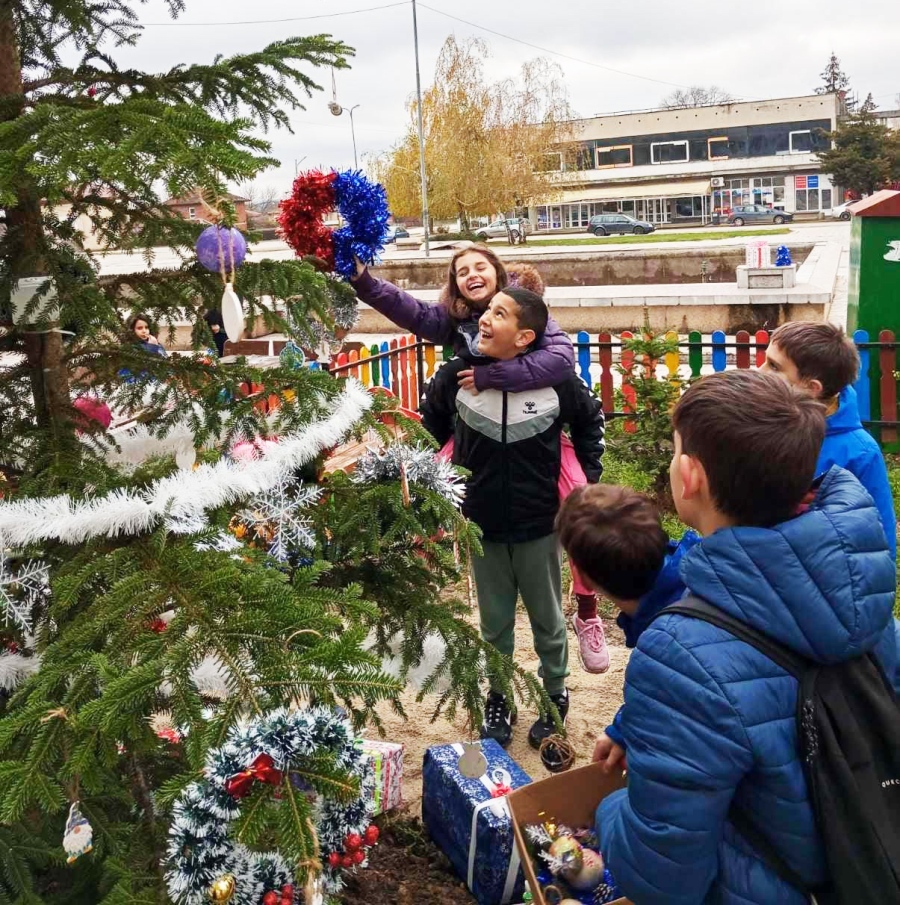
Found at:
(629, 54)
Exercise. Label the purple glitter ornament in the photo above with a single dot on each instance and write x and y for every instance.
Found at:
(217, 245)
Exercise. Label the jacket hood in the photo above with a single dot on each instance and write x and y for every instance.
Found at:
(821, 583)
(846, 418)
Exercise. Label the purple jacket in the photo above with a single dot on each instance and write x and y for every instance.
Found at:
(549, 364)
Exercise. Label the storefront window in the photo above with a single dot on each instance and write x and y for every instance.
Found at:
(617, 156)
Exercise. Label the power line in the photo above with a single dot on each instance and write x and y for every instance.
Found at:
(349, 12)
(556, 53)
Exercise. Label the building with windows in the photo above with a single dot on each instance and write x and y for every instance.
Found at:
(192, 207)
(685, 165)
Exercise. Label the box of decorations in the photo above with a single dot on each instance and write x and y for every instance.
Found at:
(553, 824)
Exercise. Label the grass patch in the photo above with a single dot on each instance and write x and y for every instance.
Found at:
(665, 236)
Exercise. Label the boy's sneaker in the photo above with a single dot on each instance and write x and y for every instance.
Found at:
(498, 719)
(591, 644)
(545, 726)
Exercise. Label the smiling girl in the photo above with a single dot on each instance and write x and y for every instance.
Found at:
(476, 274)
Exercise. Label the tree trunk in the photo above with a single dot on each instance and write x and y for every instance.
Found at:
(27, 249)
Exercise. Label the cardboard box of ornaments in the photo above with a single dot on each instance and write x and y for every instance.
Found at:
(569, 798)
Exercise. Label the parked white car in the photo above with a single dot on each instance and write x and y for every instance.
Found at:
(840, 212)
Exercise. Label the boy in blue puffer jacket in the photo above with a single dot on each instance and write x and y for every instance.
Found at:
(709, 721)
(615, 538)
(821, 360)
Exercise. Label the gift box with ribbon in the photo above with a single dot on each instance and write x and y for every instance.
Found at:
(387, 760)
(469, 820)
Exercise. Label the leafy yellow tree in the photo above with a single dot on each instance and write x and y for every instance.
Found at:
(486, 145)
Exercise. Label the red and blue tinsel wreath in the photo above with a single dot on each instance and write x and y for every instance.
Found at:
(361, 203)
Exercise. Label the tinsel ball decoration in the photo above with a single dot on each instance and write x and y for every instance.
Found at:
(358, 856)
(362, 205)
(270, 898)
(334, 860)
(783, 256)
(370, 837)
(347, 861)
(220, 249)
(222, 889)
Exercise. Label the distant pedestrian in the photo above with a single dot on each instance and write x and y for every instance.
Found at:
(216, 326)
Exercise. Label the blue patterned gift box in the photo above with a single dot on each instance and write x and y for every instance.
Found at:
(453, 807)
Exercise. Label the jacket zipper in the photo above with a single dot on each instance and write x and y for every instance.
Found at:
(505, 471)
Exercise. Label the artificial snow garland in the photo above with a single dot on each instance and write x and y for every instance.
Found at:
(180, 499)
(200, 852)
(416, 465)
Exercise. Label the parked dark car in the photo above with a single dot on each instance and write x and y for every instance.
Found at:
(758, 213)
(606, 224)
(398, 232)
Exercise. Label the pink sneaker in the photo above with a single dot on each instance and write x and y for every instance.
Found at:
(591, 644)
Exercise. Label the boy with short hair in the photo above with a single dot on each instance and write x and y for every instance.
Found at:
(615, 538)
(709, 721)
(510, 443)
(821, 360)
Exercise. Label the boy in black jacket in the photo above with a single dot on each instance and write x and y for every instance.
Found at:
(510, 442)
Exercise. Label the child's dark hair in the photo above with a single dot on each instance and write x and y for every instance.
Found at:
(132, 322)
(820, 352)
(758, 440)
(614, 537)
(532, 313)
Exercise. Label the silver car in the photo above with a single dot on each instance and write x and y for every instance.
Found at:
(504, 229)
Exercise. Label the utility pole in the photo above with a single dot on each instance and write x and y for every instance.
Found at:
(421, 133)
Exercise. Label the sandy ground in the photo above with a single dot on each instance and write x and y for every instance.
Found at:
(594, 701)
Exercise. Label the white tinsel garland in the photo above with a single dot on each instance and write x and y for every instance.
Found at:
(421, 466)
(180, 497)
(200, 849)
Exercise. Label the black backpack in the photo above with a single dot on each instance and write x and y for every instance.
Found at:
(848, 732)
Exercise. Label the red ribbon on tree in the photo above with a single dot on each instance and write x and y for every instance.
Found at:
(261, 770)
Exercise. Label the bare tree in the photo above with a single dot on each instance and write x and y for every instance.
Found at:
(697, 96)
(261, 198)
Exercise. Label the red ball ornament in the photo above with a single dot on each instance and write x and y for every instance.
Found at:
(287, 895)
(346, 861)
(370, 837)
(334, 860)
(12, 647)
(92, 91)
(353, 842)
(359, 856)
(270, 898)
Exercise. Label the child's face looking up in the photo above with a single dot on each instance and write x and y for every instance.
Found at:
(499, 333)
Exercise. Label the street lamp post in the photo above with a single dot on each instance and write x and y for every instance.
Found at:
(336, 110)
(421, 132)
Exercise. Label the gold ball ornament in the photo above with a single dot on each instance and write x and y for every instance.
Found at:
(589, 875)
(222, 889)
(569, 852)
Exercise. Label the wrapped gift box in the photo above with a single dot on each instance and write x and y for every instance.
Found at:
(472, 826)
(387, 760)
(571, 798)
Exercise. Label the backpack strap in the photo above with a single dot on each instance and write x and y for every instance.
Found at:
(696, 608)
(794, 664)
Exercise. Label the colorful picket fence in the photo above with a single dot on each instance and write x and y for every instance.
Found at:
(403, 365)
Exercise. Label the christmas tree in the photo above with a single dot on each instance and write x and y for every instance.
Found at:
(151, 608)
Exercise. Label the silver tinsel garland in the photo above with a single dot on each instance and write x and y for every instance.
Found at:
(422, 468)
(200, 849)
